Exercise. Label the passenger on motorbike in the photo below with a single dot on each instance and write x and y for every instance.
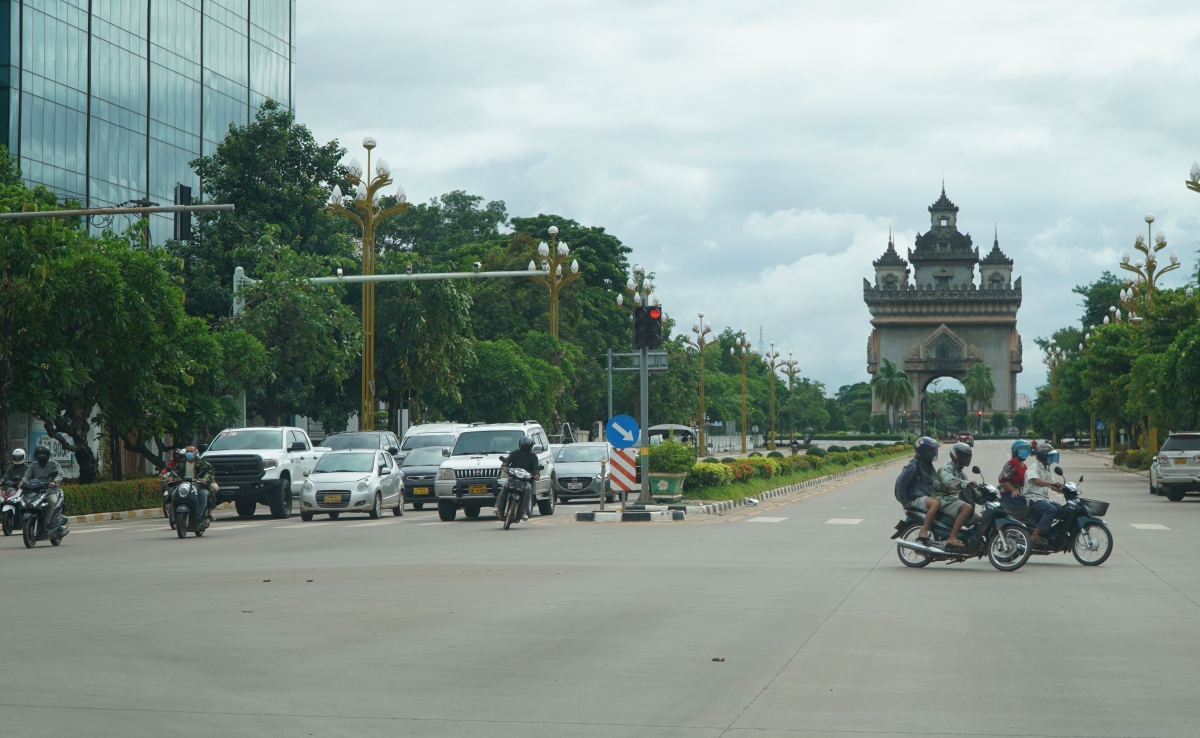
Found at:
(44, 469)
(1039, 478)
(522, 458)
(947, 486)
(914, 486)
(202, 473)
(16, 470)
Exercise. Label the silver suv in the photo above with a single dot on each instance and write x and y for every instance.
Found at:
(1176, 471)
(470, 477)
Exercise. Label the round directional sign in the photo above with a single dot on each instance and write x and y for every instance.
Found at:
(622, 431)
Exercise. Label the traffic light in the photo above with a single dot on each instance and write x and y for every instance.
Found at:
(647, 327)
(183, 221)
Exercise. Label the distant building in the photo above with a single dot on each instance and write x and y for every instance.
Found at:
(105, 102)
(1023, 402)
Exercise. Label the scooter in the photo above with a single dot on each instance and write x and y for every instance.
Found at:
(519, 485)
(10, 509)
(996, 534)
(186, 518)
(1079, 528)
(38, 521)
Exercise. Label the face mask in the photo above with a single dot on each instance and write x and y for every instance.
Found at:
(189, 456)
(1023, 454)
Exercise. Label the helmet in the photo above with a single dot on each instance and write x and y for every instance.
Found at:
(1021, 449)
(926, 448)
(526, 444)
(42, 454)
(18, 455)
(960, 453)
(1046, 453)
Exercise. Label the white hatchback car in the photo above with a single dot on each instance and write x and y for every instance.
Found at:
(352, 481)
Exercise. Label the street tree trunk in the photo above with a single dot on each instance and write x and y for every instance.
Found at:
(73, 421)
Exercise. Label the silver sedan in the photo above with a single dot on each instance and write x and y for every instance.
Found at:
(355, 482)
(581, 470)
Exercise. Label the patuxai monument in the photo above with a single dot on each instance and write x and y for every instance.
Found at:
(932, 319)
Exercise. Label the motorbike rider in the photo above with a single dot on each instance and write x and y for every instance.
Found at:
(914, 486)
(16, 470)
(947, 488)
(1039, 478)
(522, 458)
(202, 473)
(45, 469)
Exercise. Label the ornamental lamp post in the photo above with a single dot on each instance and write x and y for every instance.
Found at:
(368, 213)
(639, 288)
(700, 342)
(791, 368)
(1144, 284)
(740, 350)
(1193, 182)
(772, 358)
(550, 272)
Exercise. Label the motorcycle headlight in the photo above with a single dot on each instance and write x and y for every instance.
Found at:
(363, 484)
(446, 475)
(269, 464)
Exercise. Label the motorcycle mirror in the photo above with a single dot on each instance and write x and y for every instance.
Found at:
(975, 470)
(1058, 470)
(1080, 477)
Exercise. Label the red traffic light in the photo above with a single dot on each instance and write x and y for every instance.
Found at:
(655, 313)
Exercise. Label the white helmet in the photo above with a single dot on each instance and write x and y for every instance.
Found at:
(18, 455)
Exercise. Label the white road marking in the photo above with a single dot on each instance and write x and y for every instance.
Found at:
(304, 526)
(843, 521)
(1149, 526)
(367, 525)
(446, 523)
(765, 520)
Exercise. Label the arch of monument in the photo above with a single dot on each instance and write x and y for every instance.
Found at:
(932, 320)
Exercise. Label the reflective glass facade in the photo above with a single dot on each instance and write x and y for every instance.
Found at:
(106, 101)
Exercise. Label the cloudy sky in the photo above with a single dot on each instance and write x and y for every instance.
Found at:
(755, 154)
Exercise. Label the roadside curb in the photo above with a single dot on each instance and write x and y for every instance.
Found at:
(153, 512)
(682, 512)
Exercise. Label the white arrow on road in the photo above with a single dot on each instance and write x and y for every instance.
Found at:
(626, 434)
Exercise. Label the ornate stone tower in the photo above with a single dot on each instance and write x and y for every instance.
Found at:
(941, 323)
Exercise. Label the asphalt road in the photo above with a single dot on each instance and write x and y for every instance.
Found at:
(408, 626)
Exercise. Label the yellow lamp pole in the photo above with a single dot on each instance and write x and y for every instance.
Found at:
(791, 368)
(639, 288)
(368, 214)
(549, 272)
(740, 350)
(1055, 357)
(701, 342)
(773, 364)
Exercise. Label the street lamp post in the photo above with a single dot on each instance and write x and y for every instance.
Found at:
(791, 368)
(1055, 357)
(368, 214)
(550, 272)
(640, 290)
(773, 364)
(1140, 292)
(740, 350)
(700, 342)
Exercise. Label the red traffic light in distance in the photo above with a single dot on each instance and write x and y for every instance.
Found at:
(655, 313)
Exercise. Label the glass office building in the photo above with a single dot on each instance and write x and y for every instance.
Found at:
(106, 101)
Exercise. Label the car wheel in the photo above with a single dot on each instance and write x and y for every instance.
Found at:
(376, 507)
(398, 510)
(281, 499)
(306, 517)
(1173, 494)
(245, 508)
(418, 505)
(447, 511)
(471, 511)
(546, 507)
(334, 516)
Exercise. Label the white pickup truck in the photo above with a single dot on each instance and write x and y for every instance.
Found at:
(266, 465)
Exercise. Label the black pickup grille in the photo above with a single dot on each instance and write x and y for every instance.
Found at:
(476, 473)
(235, 470)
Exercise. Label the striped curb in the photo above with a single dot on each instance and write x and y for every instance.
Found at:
(153, 512)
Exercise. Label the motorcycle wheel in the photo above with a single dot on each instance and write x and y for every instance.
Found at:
(29, 533)
(909, 557)
(1104, 545)
(181, 524)
(8, 524)
(1017, 553)
(55, 541)
(512, 513)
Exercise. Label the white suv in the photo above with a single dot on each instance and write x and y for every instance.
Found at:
(470, 477)
(1176, 471)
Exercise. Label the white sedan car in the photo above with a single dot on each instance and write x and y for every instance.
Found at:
(352, 481)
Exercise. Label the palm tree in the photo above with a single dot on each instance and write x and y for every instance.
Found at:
(892, 388)
(978, 386)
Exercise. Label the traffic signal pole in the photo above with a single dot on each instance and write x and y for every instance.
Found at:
(644, 460)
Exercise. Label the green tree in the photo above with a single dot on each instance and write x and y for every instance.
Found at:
(1098, 297)
(855, 401)
(892, 388)
(806, 407)
(879, 423)
(978, 387)
(1022, 421)
(500, 386)
(999, 422)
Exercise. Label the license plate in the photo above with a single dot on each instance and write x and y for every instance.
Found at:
(333, 498)
(420, 490)
(477, 489)
(1179, 460)
(574, 485)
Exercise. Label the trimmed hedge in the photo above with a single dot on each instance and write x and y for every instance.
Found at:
(711, 460)
(815, 451)
(131, 494)
(708, 474)
(836, 449)
(774, 455)
(728, 460)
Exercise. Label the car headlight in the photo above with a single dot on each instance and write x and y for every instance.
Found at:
(269, 464)
(363, 484)
(308, 486)
(446, 475)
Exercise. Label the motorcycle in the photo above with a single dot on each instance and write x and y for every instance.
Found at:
(38, 521)
(992, 532)
(185, 517)
(520, 482)
(10, 509)
(1079, 528)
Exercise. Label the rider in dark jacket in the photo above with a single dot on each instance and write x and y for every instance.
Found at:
(522, 458)
(16, 470)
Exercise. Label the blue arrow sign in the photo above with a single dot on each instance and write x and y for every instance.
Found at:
(622, 431)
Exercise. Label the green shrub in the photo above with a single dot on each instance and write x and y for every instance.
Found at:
(711, 460)
(728, 460)
(865, 427)
(879, 423)
(708, 474)
(742, 470)
(774, 455)
(132, 494)
(815, 451)
(838, 457)
(857, 455)
(671, 457)
(879, 445)
(764, 468)
(835, 449)
(754, 453)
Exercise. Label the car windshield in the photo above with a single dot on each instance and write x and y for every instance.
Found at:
(575, 453)
(488, 442)
(423, 440)
(351, 440)
(237, 440)
(430, 456)
(1182, 443)
(331, 463)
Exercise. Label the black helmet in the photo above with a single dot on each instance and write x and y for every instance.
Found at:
(526, 444)
(926, 448)
(960, 453)
(42, 454)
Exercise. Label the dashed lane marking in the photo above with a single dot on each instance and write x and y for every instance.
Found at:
(1149, 526)
(765, 519)
(843, 521)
